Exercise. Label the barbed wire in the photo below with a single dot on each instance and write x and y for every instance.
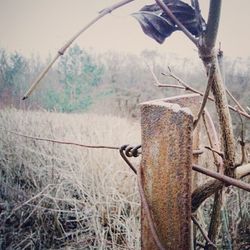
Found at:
(61, 141)
(127, 151)
(133, 151)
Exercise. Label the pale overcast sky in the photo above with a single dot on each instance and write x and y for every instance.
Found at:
(42, 26)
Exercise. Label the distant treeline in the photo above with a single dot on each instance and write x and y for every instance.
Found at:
(108, 82)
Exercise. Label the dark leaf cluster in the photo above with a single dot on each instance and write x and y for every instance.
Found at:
(158, 25)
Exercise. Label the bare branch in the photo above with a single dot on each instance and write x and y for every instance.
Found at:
(186, 86)
(158, 84)
(226, 179)
(189, 88)
(201, 193)
(221, 64)
(213, 139)
(235, 101)
(218, 156)
(242, 171)
(165, 8)
(225, 122)
(215, 151)
(205, 95)
(61, 51)
(215, 218)
(204, 234)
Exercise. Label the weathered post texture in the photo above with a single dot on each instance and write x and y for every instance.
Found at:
(166, 170)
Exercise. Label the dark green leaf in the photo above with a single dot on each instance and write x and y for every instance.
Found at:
(154, 26)
(158, 25)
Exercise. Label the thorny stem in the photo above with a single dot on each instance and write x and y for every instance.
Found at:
(209, 58)
(61, 51)
(227, 136)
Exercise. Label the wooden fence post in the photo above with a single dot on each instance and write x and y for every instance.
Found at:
(166, 163)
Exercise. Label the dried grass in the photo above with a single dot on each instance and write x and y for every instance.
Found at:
(56, 196)
(60, 196)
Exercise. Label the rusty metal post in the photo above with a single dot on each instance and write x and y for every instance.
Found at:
(167, 130)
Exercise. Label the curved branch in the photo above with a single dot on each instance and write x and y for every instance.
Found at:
(226, 179)
(205, 95)
(242, 171)
(61, 51)
(200, 194)
(203, 192)
(204, 234)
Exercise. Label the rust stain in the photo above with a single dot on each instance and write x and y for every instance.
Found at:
(166, 163)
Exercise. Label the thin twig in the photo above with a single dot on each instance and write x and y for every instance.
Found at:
(165, 8)
(157, 82)
(242, 171)
(226, 179)
(243, 144)
(220, 57)
(204, 234)
(213, 139)
(215, 151)
(205, 95)
(235, 101)
(61, 51)
(186, 86)
(189, 88)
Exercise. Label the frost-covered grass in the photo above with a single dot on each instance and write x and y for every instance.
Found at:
(56, 196)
